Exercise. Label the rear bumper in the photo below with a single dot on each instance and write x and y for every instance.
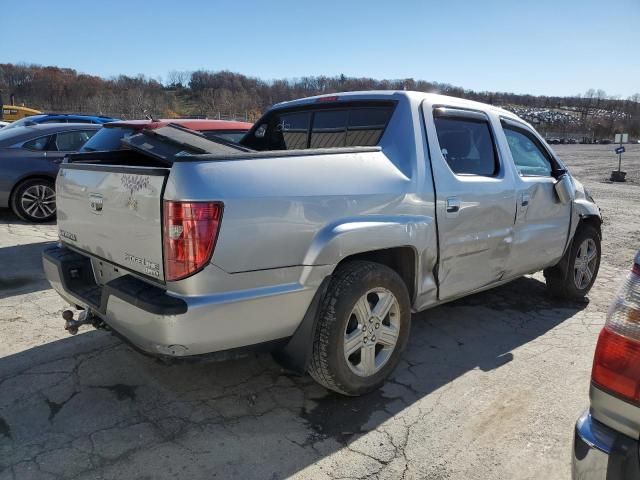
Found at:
(599, 452)
(162, 323)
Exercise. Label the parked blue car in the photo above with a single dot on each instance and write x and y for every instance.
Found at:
(61, 118)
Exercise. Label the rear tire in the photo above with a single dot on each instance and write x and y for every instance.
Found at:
(362, 329)
(34, 200)
(583, 263)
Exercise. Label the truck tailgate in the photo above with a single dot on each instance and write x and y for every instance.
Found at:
(114, 213)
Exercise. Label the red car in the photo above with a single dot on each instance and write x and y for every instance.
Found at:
(109, 137)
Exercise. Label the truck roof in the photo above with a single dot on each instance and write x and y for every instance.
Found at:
(411, 96)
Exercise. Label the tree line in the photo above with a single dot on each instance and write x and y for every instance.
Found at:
(227, 94)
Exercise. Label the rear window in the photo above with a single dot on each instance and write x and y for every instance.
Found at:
(107, 139)
(326, 127)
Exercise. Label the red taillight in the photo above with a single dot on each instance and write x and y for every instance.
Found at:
(190, 234)
(616, 363)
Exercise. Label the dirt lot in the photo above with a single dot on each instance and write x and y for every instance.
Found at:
(489, 389)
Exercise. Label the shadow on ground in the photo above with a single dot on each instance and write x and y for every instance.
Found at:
(90, 407)
(21, 270)
(10, 218)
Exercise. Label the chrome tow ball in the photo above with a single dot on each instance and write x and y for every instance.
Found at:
(71, 325)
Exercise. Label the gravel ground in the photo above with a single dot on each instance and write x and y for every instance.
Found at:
(490, 386)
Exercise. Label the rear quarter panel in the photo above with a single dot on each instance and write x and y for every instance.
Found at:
(276, 207)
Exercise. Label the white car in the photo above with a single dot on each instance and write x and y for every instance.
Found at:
(4, 124)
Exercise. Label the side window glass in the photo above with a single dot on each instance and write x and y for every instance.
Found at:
(38, 144)
(467, 145)
(72, 141)
(529, 158)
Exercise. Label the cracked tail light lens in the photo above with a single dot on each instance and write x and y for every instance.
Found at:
(190, 231)
(616, 363)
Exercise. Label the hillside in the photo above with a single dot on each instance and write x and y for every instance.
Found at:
(225, 94)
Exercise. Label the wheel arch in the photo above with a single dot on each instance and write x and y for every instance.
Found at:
(402, 260)
(397, 242)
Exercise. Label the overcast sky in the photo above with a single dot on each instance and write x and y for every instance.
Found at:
(559, 47)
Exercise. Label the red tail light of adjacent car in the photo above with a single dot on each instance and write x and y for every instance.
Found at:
(616, 364)
(190, 234)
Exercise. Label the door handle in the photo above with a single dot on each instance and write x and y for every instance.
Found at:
(453, 205)
(524, 201)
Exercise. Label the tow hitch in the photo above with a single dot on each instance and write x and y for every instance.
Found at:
(84, 318)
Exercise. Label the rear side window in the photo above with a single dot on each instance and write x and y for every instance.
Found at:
(467, 145)
(38, 144)
(350, 126)
(528, 155)
(72, 141)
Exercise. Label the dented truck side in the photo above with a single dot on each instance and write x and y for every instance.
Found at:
(327, 243)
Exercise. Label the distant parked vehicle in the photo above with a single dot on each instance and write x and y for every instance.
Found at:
(606, 435)
(110, 137)
(605, 141)
(572, 141)
(11, 113)
(62, 118)
(553, 141)
(29, 161)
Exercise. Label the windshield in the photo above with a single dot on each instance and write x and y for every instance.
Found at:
(107, 139)
(20, 123)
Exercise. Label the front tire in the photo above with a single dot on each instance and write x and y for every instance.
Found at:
(35, 200)
(363, 327)
(583, 263)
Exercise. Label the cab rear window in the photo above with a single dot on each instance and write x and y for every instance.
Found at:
(353, 125)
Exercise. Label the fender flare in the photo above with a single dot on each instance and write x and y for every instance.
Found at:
(352, 235)
(580, 211)
(334, 243)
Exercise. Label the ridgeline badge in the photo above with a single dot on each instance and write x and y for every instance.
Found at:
(150, 268)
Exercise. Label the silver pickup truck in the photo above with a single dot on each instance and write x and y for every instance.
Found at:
(319, 234)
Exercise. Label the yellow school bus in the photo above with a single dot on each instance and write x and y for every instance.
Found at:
(11, 113)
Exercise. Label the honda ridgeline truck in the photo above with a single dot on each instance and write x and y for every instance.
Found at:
(319, 234)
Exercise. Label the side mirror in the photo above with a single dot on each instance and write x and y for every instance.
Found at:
(564, 189)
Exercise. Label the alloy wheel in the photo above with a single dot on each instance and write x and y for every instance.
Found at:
(372, 332)
(585, 265)
(39, 201)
